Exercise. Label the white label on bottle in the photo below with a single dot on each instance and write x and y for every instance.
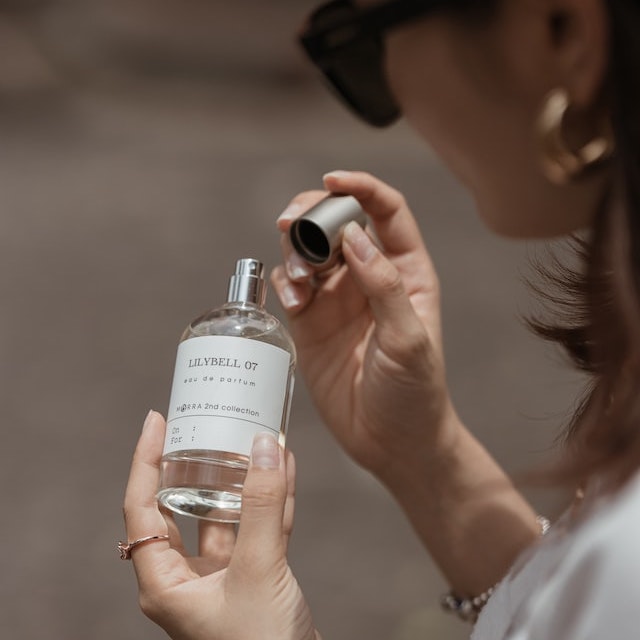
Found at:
(225, 390)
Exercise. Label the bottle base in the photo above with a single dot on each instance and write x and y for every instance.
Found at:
(203, 484)
(218, 506)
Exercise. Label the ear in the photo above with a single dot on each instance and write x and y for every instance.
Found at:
(579, 33)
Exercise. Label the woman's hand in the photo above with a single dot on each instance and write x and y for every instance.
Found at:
(234, 589)
(369, 343)
(368, 333)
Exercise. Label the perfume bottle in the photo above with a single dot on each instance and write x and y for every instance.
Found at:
(233, 378)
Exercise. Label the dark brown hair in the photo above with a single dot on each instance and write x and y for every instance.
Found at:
(598, 307)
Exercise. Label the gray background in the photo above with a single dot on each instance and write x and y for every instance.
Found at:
(144, 146)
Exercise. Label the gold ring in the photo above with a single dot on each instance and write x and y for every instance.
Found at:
(125, 548)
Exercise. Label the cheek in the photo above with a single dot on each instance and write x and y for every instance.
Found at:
(465, 99)
(480, 132)
(437, 99)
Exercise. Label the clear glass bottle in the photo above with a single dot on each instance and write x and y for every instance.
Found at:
(233, 378)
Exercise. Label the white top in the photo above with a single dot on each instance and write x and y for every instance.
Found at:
(582, 582)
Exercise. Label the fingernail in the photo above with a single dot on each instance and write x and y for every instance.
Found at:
(360, 243)
(147, 420)
(289, 297)
(291, 212)
(297, 268)
(265, 452)
(337, 174)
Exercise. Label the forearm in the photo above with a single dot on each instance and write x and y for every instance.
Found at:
(466, 511)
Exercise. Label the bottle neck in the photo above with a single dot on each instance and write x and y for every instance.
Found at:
(247, 288)
(243, 304)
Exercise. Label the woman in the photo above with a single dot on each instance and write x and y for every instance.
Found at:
(534, 105)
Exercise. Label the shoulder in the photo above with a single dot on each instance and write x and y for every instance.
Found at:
(605, 553)
(594, 592)
(610, 533)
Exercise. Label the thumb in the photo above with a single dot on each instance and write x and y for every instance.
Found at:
(260, 540)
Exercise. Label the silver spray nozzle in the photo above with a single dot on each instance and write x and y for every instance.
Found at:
(317, 234)
(247, 283)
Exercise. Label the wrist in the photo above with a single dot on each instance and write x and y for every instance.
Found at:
(423, 459)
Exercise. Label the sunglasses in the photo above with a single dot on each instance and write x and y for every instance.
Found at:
(346, 43)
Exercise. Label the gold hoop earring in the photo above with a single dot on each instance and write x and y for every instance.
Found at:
(560, 163)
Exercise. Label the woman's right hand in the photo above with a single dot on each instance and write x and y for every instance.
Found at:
(236, 587)
(368, 333)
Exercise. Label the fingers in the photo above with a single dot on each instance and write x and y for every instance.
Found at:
(142, 517)
(216, 540)
(260, 540)
(297, 268)
(289, 505)
(293, 282)
(393, 225)
(380, 281)
(141, 513)
(175, 538)
(293, 296)
(392, 220)
(301, 203)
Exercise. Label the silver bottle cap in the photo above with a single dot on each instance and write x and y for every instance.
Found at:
(317, 234)
(247, 283)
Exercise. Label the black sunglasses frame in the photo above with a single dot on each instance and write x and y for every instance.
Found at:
(346, 43)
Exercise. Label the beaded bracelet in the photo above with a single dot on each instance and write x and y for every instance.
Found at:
(468, 609)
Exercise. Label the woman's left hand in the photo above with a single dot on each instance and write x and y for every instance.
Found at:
(235, 588)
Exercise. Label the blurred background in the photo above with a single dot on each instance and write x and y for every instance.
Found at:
(145, 145)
